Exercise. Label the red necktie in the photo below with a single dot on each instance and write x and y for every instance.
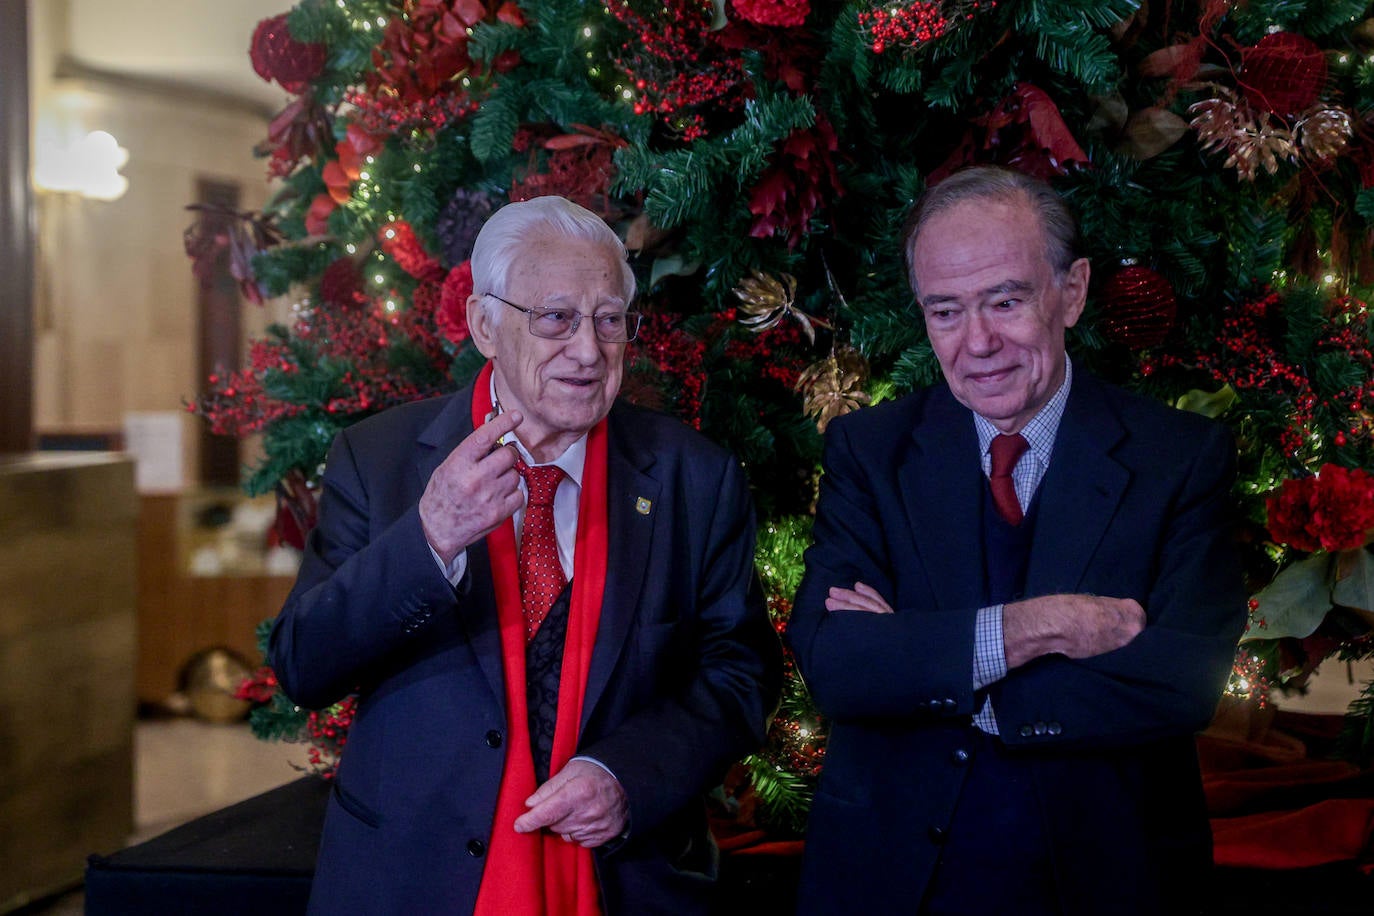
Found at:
(1006, 451)
(541, 575)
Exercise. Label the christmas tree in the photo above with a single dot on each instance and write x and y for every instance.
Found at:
(758, 157)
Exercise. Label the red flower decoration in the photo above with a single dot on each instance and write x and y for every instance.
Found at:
(782, 13)
(1025, 132)
(259, 687)
(793, 188)
(399, 241)
(317, 217)
(278, 56)
(452, 315)
(1332, 511)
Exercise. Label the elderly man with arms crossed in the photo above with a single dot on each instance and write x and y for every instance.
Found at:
(1022, 602)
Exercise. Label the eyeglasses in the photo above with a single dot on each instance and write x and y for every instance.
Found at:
(562, 324)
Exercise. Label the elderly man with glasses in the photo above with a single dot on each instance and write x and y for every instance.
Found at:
(545, 601)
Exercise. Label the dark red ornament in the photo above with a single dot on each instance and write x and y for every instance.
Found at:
(1283, 73)
(1138, 308)
(278, 56)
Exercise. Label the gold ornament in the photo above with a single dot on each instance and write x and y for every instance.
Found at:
(1324, 131)
(210, 681)
(769, 300)
(834, 386)
(1252, 140)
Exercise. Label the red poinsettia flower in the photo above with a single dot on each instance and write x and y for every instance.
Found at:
(1333, 510)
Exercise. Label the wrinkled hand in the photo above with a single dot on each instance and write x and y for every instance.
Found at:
(474, 490)
(581, 802)
(1079, 626)
(859, 598)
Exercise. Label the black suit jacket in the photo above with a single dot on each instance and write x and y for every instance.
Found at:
(1136, 503)
(684, 672)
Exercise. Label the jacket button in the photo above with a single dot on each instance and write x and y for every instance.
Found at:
(477, 849)
(950, 704)
(960, 756)
(493, 738)
(1026, 731)
(937, 834)
(1054, 728)
(1041, 728)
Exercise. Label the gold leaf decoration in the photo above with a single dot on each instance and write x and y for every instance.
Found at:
(834, 386)
(1252, 140)
(768, 300)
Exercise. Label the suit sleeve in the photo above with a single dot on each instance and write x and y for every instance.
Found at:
(1166, 681)
(358, 597)
(677, 746)
(916, 662)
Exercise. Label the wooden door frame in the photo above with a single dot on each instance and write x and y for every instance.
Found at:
(17, 232)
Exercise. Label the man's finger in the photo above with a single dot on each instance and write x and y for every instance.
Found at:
(543, 814)
(487, 437)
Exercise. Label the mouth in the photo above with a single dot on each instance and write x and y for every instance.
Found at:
(990, 377)
(579, 382)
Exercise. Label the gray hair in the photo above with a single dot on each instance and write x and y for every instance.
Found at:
(507, 231)
(995, 183)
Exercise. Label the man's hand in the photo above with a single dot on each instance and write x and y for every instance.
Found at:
(473, 491)
(582, 803)
(859, 598)
(1079, 626)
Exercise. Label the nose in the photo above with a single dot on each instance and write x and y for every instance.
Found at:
(983, 337)
(584, 346)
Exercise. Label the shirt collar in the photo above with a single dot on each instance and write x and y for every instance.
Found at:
(571, 462)
(1042, 429)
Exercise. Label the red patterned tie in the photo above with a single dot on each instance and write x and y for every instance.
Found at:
(541, 575)
(1006, 451)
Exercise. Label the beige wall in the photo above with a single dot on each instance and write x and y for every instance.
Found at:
(115, 302)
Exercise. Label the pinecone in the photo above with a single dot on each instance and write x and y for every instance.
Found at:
(1324, 132)
(459, 223)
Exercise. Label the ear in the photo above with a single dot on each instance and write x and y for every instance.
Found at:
(481, 327)
(1075, 290)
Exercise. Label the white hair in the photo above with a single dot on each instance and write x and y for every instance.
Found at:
(507, 231)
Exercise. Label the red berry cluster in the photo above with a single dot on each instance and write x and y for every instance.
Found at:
(1251, 359)
(327, 730)
(916, 23)
(678, 357)
(675, 63)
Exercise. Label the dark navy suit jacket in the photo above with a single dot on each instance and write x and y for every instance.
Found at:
(1135, 504)
(683, 676)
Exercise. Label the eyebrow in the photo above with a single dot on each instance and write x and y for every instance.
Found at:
(1001, 289)
(562, 301)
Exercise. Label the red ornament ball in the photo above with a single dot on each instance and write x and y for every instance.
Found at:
(278, 56)
(1283, 73)
(1138, 308)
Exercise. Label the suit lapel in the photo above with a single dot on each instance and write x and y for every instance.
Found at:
(940, 485)
(630, 528)
(450, 427)
(1079, 494)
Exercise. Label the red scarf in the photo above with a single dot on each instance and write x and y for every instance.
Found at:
(539, 874)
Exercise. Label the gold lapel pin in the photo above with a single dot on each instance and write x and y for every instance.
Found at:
(643, 505)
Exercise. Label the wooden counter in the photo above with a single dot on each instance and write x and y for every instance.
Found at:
(68, 524)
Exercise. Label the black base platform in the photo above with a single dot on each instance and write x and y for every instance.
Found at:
(257, 857)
